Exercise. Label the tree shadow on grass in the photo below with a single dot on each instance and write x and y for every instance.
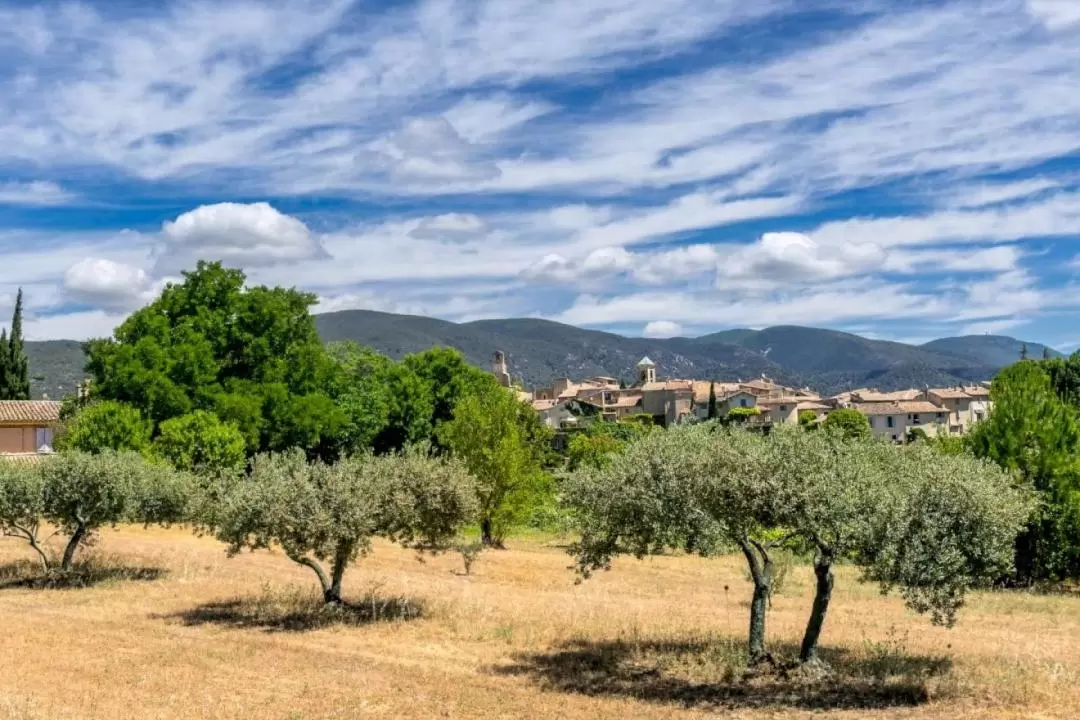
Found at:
(27, 575)
(712, 674)
(296, 610)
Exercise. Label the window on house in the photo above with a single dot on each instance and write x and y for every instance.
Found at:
(889, 423)
(783, 408)
(742, 402)
(916, 419)
(894, 438)
(43, 437)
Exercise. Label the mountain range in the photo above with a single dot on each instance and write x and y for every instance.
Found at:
(539, 350)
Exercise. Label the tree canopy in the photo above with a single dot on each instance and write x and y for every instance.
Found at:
(495, 435)
(78, 493)
(250, 355)
(848, 421)
(326, 514)
(199, 442)
(898, 512)
(1032, 431)
(106, 425)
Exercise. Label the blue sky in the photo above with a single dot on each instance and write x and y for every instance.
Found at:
(904, 170)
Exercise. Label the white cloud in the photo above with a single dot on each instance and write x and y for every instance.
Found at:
(109, 285)
(996, 193)
(785, 257)
(991, 327)
(73, 326)
(662, 329)
(485, 119)
(450, 225)
(38, 192)
(991, 259)
(1057, 215)
(246, 235)
(1055, 14)
(430, 150)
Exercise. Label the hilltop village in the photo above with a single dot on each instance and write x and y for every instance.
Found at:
(893, 415)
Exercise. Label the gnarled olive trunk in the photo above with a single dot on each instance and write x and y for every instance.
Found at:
(73, 544)
(488, 538)
(822, 595)
(761, 572)
(331, 585)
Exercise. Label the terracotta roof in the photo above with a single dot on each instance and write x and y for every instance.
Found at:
(619, 402)
(29, 411)
(787, 400)
(668, 385)
(875, 396)
(977, 391)
(898, 408)
(541, 405)
(949, 393)
(811, 405)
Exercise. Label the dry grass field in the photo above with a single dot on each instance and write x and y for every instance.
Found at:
(189, 633)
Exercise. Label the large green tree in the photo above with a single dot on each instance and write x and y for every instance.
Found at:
(491, 432)
(1031, 431)
(250, 355)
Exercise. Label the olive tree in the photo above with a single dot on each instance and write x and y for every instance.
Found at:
(22, 505)
(78, 493)
(933, 525)
(324, 516)
(951, 529)
(692, 487)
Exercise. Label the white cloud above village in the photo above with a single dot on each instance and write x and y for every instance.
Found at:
(625, 165)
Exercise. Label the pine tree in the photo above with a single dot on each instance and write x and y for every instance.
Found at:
(1023, 352)
(713, 412)
(5, 370)
(17, 385)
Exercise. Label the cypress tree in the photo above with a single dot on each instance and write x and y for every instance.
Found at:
(713, 412)
(18, 367)
(5, 355)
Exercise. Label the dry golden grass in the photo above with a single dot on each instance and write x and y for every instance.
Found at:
(243, 638)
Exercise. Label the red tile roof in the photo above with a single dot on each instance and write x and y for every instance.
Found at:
(29, 412)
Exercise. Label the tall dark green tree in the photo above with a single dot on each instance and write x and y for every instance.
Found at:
(251, 356)
(14, 367)
(5, 362)
(713, 411)
(1032, 432)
